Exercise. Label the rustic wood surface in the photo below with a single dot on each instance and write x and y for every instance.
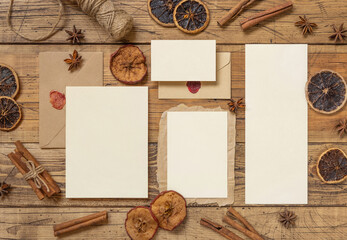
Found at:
(24, 217)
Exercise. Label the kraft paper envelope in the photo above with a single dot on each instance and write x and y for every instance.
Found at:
(54, 75)
(220, 89)
(183, 60)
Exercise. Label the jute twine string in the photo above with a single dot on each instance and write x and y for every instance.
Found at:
(34, 174)
(41, 38)
(117, 23)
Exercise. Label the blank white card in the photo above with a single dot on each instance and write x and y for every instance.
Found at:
(183, 60)
(197, 154)
(106, 142)
(276, 124)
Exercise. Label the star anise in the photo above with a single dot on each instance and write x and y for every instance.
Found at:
(4, 187)
(341, 127)
(75, 35)
(306, 25)
(339, 33)
(236, 105)
(74, 60)
(287, 218)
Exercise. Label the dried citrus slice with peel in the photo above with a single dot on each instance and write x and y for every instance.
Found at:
(9, 83)
(169, 207)
(141, 224)
(191, 16)
(332, 166)
(128, 64)
(162, 11)
(326, 92)
(10, 113)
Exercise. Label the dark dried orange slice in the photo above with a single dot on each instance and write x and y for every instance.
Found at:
(9, 84)
(128, 64)
(162, 11)
(141, 224)
(169, 207)
(191, 16)
(332, 166)
(10, 113)
(326, 92)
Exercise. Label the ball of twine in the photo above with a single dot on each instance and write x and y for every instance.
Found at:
(117, 23)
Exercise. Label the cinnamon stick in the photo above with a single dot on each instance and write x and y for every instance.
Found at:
(219, 229)
(22, 168)
(45, 175)
(245, 231)
(235, 11)
(238, 216)
(257, 18)
(79, 223)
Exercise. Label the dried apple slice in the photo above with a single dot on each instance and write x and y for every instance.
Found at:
(9, 83)
(169, 207)
(141, 224)
(332, 166)
(128, 64)
(10, 113)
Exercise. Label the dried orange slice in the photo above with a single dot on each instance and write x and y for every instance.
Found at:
(141, 224)
(162, 11)
(9, 84)
(169, 207)
(191, 16)
(326, 92)
(332, 166)
(10, 113)
(128, 64)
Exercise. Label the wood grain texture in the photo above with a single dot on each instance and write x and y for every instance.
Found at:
(24, 59)
(24, 217)
(36, 17)
(319, 194)
(312, 223)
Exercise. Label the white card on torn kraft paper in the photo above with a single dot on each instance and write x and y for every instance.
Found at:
(276, 124)
(183, 60)
(106, 142)
(197, 154)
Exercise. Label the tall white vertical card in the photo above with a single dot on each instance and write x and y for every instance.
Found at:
(276, 124)
(106, 142)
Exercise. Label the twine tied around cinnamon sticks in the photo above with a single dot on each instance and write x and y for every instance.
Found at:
(34, 174)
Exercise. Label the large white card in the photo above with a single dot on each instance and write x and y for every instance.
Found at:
(106, 142)
(276, 124)
(183, 60)
(197, 154)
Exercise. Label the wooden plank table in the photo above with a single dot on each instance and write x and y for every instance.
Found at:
(23, 216)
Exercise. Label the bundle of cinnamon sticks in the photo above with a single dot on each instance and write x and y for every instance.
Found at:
(235, 220)
(79, 223)
(37, 177)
